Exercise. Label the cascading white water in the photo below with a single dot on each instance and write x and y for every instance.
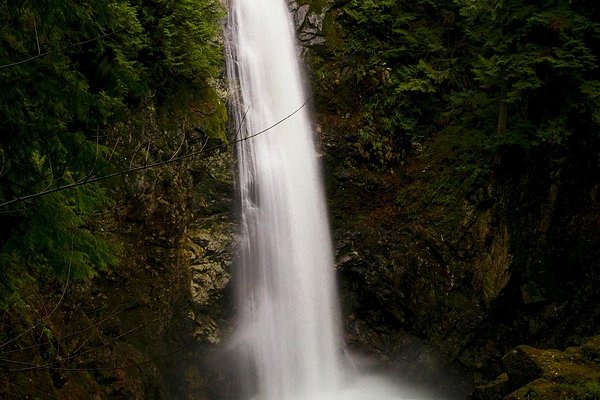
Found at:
(289, 314)
(289, 317)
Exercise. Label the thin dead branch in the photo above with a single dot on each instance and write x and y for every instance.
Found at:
(93, 179)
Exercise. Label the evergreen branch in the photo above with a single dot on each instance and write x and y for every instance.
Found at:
(93, 179)
(47, 317)
(47, 53)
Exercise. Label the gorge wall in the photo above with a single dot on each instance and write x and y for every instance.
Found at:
(445, 259)
(142, 330)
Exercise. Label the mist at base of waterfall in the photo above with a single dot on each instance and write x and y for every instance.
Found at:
(422, 377)
(370, 387)
(373, 387)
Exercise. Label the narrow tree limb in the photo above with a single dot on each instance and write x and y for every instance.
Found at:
(47, 53)
(147, 166)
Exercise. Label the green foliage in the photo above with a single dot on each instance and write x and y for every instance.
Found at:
(592, 391)
(528, 50)
(527, 70)
(81, 68)
(396, 53)
(58, 235)
(183, 47)
(192, 51)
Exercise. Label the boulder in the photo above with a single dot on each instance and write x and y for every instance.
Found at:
(549, 374)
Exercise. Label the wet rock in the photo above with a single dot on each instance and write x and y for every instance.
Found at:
(550, 374)
(316, 21)
(209, 249)
(300, 15)
(309, 22)
(531, 293)
(590, 349)
(208, 281)
(494, 390)
(522, 365)
(493, 261)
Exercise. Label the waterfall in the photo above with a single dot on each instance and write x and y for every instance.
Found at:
(289, 318)
(287, 305)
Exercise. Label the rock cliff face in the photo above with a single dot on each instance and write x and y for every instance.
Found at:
(460, 274)
(169, 292)
(140, 330)
(309, 22)
(208, 248)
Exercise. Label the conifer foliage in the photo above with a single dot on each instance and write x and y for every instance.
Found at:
(70, 72)
(516, 72)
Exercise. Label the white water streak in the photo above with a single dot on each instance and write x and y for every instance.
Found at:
(289, 314)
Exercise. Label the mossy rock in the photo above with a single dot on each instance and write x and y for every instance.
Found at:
(553, 374)
(542, 389)
(522, 365)
(525, 363)
(591, 349)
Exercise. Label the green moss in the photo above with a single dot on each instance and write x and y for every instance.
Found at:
(591, 391)
(552, 374)
(591, 349)
(542, 389)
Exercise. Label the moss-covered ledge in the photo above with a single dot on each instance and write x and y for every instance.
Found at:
(536, 374)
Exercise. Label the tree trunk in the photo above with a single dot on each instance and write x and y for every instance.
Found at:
(502, 110)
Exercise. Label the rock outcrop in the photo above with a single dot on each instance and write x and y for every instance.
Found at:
(139, 330)
(309, 21)
(550, 374)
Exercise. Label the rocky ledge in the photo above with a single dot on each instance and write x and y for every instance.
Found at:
(535, 374)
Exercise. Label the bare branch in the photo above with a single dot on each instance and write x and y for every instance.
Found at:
(40, 54)
(37, 39)
(270, 127)
(178, 148)
(55, 364)
(148, 166)
(29, 387)
(47, 317)
(66, 286)
(76, 333)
